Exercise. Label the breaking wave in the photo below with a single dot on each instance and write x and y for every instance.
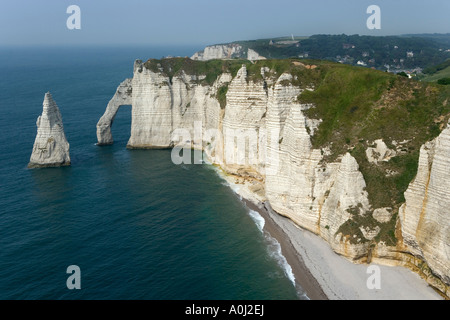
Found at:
(274, 247)
(274, 250)
(258, 219)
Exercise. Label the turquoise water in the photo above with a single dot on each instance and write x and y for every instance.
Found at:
(138, 226)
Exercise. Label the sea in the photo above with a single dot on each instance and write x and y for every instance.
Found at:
(136, 225)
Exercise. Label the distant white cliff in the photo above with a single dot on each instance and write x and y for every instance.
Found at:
(226, 51)
(50, 148)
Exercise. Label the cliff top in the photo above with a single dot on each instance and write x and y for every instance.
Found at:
(211, 69)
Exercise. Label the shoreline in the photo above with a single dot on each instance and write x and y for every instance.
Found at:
(303, 276)
(322, 273)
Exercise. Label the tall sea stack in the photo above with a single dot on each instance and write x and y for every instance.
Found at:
(51, 148)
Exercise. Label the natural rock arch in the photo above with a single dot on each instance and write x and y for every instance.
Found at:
(123, 96)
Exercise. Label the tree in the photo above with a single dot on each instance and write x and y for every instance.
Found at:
(444, 81)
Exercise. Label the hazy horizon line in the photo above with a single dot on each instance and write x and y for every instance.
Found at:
(201, 43)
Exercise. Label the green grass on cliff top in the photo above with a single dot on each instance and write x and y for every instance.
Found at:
(213, 68)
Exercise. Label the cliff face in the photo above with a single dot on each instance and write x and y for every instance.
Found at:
(261, 135)
(226, 51)
(50, 148)
(424, 217)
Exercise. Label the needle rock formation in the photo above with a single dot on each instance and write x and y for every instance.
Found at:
(51, 148)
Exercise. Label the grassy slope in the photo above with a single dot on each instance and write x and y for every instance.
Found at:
(445, 73)
(360, 105)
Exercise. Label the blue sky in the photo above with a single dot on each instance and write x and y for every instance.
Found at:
(201, 22)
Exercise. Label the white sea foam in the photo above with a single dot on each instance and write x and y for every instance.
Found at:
(274, 247)
(274, 250)
(236, 190)
(205, 160)
(258, 219)
(234, 187)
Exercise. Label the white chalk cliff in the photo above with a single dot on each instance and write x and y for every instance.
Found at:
(226, 51)
(252, 55)
(50, 148)
(425, 216)
(323, 197)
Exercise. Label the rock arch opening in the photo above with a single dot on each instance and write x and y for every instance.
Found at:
(122, 97)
